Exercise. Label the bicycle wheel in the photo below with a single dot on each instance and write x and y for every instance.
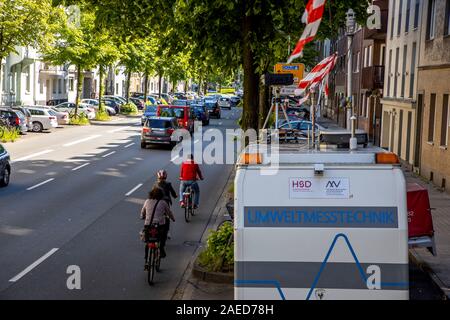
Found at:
(191, 202)
(151, 265)
(158, 259)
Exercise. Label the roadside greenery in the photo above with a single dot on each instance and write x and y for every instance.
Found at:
(79, 119)
(9, 134)
(102, 115)
(219, 253)
(129, 109)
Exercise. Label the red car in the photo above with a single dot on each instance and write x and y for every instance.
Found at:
(184, 115)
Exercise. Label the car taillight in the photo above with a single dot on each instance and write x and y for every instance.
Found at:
(17, 121)
(52, 118)
(145, 130)
(169, 130)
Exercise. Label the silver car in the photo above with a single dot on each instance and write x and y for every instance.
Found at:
(42, 118)
(107, 104)
(69, 107)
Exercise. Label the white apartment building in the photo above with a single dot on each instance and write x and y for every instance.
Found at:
(400, 81)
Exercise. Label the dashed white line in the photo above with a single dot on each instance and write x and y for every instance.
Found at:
(129, 145)
(81, 140)
(32, 155)
(33, 265)
(40, 184)
(197, 141)
(174, 158)
(119, 129)
(107, 155)
(133, 190)
(79, 167)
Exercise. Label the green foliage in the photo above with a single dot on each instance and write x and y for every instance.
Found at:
(80, 119)
(219, 253)
(102, 116)
(129, 109)
(9, 134)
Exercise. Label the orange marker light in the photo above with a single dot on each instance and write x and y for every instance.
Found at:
(387, 158)
(251, 158)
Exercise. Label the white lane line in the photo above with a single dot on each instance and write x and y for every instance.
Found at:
(197, 141)
(133, 190)
(107, 155)
(81, 140)
(33, 265)
(40, 184)
(119, 129)
(79, 167)
(32, 155)
(174, 158)
(129, 145)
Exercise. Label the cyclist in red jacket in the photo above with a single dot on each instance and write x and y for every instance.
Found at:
(190, 173)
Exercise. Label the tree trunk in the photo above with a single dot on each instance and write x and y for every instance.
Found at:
(251, 79)
(199, 89)
(264, 104)
(101, 89)
(80, 78)
(145, 88)
(159, 84)
(174, 84)
(128, 82)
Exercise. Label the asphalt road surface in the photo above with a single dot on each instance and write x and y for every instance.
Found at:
(74, 200)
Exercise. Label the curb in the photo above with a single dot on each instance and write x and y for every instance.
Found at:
(216, 277)
(419, 262)
(183, 291)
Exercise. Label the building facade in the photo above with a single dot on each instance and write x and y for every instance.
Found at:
(399, 114)
(433, 94)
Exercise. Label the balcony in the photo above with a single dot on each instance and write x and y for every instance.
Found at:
(372, 77)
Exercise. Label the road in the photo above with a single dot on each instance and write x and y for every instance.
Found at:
(75, 198)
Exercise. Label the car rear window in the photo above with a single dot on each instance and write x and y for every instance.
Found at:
(159, 123)
(172, 112)
(52, 113)
(150, 109)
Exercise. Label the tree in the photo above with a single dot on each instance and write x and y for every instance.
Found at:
(24, 23)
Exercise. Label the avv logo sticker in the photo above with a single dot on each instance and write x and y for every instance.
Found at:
(319, 188)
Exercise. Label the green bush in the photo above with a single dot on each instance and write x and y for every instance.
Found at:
(80, 119)
(219, 253)
(102, 116)
(9, 134)
(129, 109)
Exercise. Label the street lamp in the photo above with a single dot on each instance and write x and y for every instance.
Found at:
(350, 31)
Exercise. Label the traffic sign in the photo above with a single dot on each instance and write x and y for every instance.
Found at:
(297, 69)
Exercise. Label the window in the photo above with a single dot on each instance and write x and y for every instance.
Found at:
(365, 58)
(407, 15)
(357, 61)
(416, 14)
(59, 86)
(445, 122)
(117, 88)
(397, 54)
(400, 134)
(392, 12)
(431, 117)
(65, 86)
(54, 86)
(431, 21)
(41, 86)
(405, 50)
(71, 84)
(370, 56)
(3, 77)
(389, 74)
(408, 136)
(27, 79)
(447, 19)
(382, 54)
(400, 10)
(412, 72)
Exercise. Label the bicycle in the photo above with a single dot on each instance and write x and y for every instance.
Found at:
(188, 197)
(154, 257)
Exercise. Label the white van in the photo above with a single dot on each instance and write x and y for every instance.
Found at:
(321, 224)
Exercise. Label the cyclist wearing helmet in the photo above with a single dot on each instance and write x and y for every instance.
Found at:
(190, 173)
(166, 187)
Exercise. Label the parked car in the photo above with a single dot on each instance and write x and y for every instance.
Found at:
(5, 167)
(299, 129)
(234, 100)
(62, 117)
(181, 102)
(15, 118)
(118, 99)
(224, 102)
(184, 115)
(200, 113)
(42, 118)
(107, 104)
(150, 111)
(69, 107)
(159, 130)
(27, 115)
(55, 102)
(213, 108)
(139, 103)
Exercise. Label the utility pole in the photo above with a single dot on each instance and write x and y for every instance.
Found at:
(350, 31)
